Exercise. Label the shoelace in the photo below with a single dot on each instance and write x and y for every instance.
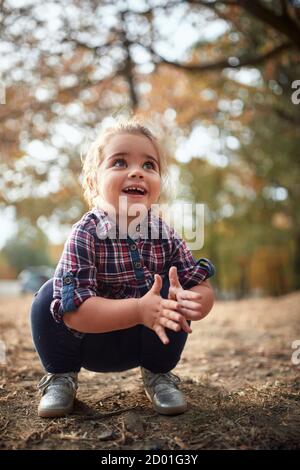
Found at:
(165, 378)
(51, 378)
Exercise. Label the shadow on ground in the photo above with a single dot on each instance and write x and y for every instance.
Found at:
(264, 417)
(237, 374)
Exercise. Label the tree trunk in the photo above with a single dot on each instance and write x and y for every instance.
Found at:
(297, 261)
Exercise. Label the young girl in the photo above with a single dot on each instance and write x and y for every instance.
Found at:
(117, 301)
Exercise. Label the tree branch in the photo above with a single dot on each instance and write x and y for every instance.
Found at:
(283, 7)
(94, 49)
(127, 69)
(282, 23)
(37, 106)
(288, 117)
(225, 63)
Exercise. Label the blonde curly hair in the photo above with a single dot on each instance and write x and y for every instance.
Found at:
(95, 155)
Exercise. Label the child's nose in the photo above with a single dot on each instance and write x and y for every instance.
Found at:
(135, 173)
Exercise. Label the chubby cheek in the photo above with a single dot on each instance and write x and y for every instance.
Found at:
(156, 190)
(100, 184)
(155, 197)
(106, 187)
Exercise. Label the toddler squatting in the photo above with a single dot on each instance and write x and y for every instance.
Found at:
(120, 298)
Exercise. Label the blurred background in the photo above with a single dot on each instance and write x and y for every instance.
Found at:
(219, 80)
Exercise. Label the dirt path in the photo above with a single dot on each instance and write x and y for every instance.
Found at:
(242, 388)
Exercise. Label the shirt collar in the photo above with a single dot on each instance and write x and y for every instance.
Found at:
(104, 224)
(107, 228)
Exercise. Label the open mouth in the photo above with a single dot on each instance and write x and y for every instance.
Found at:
(134, 191)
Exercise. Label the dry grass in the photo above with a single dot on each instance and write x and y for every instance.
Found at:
(242, 388)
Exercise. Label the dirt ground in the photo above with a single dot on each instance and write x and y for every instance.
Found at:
(242, 388)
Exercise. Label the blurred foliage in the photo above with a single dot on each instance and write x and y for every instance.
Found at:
(104, 60)
(28, 248)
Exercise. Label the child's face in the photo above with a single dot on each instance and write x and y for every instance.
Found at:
(129, 160)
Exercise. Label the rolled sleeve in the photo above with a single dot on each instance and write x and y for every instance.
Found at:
(190, 271)
(75, 278)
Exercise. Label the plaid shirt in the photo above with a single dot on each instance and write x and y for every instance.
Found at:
(93, 263)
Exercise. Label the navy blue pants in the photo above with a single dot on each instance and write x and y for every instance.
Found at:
(60, 351)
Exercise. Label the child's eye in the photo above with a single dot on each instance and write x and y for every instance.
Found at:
(152, 166)
(119, 162)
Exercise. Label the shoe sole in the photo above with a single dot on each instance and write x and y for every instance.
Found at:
(167, 411)
(55, 413)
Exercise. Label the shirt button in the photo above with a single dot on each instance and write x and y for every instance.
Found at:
(133, 247)
(67, 280)
(137, 264)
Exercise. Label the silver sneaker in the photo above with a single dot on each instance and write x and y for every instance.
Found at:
(58, 394)
(163, 392)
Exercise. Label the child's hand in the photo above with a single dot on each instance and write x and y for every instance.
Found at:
(189, 302)
(157, 313)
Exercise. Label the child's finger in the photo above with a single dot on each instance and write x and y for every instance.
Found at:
(171, 294)
(172, 325)
(177, 317)
(169, 304)
(160, 331)
(172, 315)
(185, 326)
(191, 314)
(190, 295)
(188, 304)
(173, 277)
